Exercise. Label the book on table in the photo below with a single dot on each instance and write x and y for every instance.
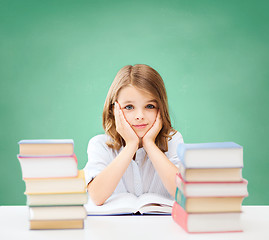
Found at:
(211, 155)
(209, 189)
(46, 147)
(57, 199)
(57, 213)
(57, 217)
(210, 174)
(55, 188)
(127, 203)
(48, 166)
(206, 222)
(56, 224)
(56, 185)
(209, 204)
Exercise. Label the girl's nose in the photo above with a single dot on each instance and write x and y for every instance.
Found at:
(139, 115)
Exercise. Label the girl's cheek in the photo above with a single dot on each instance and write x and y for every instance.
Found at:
(127, 115)
(152, 115)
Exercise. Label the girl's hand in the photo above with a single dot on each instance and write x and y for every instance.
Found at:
(123, 127)
(153, 132)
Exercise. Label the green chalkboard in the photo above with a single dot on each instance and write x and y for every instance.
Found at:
(58, 59)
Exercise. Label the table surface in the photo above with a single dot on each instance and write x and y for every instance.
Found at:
(14, 224)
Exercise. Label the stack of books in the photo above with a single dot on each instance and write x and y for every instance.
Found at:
(55, 188)
(210, 187)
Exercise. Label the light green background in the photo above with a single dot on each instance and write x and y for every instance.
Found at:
(58, 59)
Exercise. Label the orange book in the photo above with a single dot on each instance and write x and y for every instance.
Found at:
(46, 147)
(57, 199)
(56, 185)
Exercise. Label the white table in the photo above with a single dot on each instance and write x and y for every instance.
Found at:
(14, 224)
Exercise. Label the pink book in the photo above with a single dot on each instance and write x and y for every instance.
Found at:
(206, 222)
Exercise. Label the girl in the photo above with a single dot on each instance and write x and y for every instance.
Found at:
(138, 152)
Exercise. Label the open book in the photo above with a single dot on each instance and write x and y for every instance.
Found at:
(127, 203)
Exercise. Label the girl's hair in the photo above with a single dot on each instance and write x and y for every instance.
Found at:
(144, 78)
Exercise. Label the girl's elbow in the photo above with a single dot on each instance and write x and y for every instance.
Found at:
(97, 200)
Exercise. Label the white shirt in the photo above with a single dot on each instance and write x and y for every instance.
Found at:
(140, 176)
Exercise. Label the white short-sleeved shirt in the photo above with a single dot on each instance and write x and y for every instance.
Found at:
(140, 176)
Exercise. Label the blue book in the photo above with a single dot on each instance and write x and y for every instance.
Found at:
(211, 155)
(46, 141)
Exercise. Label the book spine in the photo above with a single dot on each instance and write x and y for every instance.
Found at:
(180, 199)
(180, 216)
(180, 183)
(75, 157)
(181, 153)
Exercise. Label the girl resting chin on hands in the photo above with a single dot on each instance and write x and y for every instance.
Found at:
(137, 153)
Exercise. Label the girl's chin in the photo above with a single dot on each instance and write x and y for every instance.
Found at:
(140, 134)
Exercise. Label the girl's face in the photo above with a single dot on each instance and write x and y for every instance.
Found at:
(140, 109)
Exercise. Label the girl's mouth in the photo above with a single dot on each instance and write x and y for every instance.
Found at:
(140, 126)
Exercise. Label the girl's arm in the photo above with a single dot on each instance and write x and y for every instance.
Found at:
(104, 184)
(165, 168)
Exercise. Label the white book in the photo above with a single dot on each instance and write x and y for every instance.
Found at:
(210, 222)
(57, 213)
(127, 203)
(49, 166)
(212, 189)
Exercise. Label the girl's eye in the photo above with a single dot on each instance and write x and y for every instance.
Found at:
(150, 106)
(129, 107)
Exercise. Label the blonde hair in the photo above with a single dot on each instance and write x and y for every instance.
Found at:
(144, 78)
